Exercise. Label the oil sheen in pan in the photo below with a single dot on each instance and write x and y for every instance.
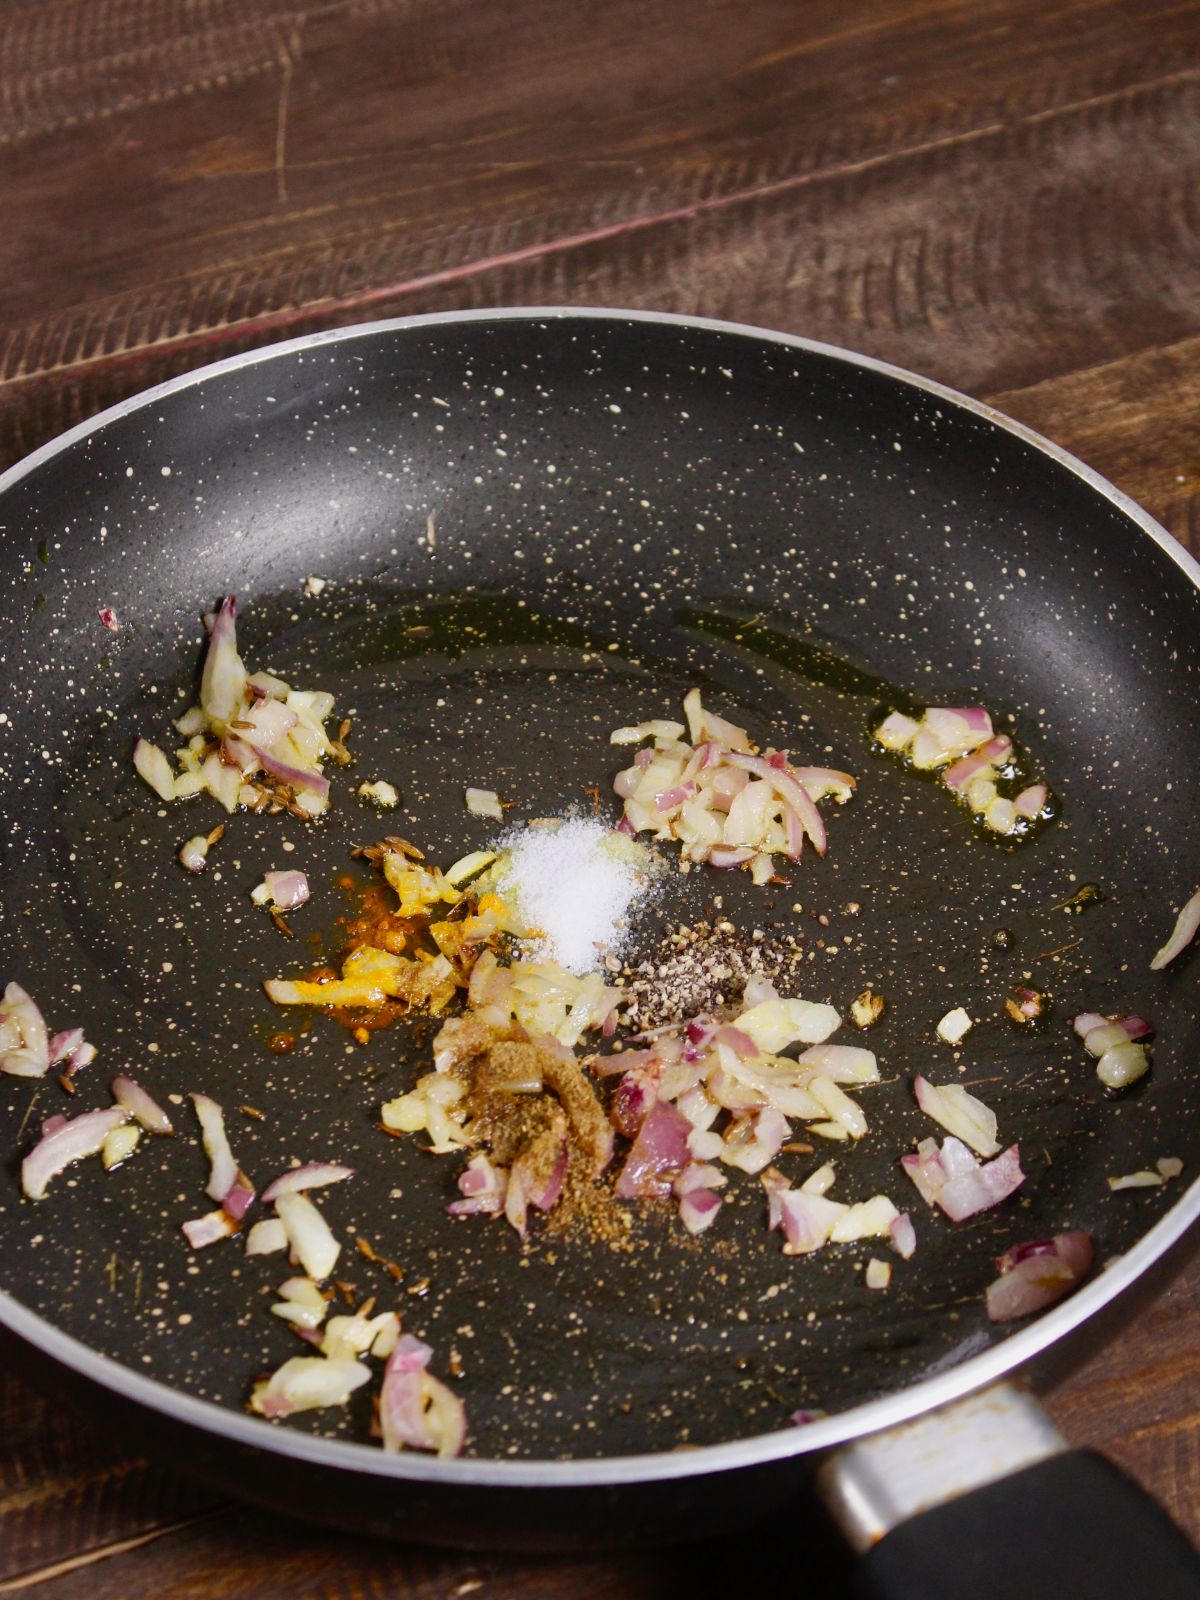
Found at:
(572, 1346)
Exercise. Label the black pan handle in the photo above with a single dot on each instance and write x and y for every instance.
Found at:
(982, 1498)
(1072, 1527)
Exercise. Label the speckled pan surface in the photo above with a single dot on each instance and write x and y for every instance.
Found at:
(621, 507)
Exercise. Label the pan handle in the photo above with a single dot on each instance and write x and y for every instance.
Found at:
(983, 1497)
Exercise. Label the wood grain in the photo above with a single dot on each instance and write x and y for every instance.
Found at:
(1002, 194)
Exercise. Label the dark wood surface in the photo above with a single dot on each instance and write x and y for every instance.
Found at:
(1004, 195)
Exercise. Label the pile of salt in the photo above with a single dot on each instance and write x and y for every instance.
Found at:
(573, 884)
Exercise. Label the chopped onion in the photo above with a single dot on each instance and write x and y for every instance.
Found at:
(24, 1037)
(955, 1026)
(71, 1141)
(1137, 1180)
(301, 1303)
(959, 1113)
(139, 1104)
(482, 1187)
(807, 1220)
(284, 890)
(903, 1234)
(153, 766)
(484, 803)
(953, 1179)
(1035, 1275)
(224, 1169)
(208, 1229)
(659, 1153)
(1182, 934)
(313, 1175)
(384, 795)
(309, 1237)
(307, 1383)
(878, 1274)
(194, 853)
(774, 1024)
(416, 1409)
(119, 1145)
(698, 1209)
(266, 1237)
(868, 1219)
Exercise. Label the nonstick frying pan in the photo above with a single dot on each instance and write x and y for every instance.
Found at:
(533, 527)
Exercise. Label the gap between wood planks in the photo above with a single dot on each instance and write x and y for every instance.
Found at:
(87, 1558)
(277, 322)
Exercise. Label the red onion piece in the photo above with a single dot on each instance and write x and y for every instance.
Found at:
(776, 1186)
(659, 1152)
(287, 889)
(76, 1138)
(138, 1103)
(975, 717)
(959, 775)
(631, 1104)
(313, 1175)
(742, 1045)
(790, 791)
(627, 828)
(63, 1045)
(954, 1180)
(1182, 934)
(109, 618)
(1137, 1027)
(1031, 802)
(482, 1186)
(201, 1231)
(698, 1209)
(296, 776)
(53, 1124)
(223, 680)
(1086, 1021)
(1035, 1275)
(239, 1198)
(24, 1037)
(807, 1220)
(670, 798)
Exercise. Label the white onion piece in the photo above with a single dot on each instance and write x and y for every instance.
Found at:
(119, 1145)
(214, 1225)
(484, 803)
(904, 1235)
(959, 1113)
(774, 1024)
(868, 1219)
(820, 1181)
(843, 1112)
(878, 1274)
(1186, 925)
(193, 854)
(224, 1168)
(842, 1063)
(307, 1383)
(24, 1037)
(71, 1141)
(309, 1237)
(153, 766)
(1122, 1065)
(313, 1175)
(896, 731)
(348, 1337)
(139, 1104)
(64, 1045)
(1137, 1180)
(955, 1026)
(266, 1237)
(301, 1303)
(646, 730)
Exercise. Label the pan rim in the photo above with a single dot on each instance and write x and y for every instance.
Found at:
(976, 1372)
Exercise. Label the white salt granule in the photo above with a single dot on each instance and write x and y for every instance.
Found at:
(573, 885)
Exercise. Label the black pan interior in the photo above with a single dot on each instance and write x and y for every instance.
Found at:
(620, 509)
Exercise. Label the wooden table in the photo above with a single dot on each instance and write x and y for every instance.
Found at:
(1004, 195)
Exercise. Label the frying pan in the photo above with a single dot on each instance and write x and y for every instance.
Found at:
(622, 506)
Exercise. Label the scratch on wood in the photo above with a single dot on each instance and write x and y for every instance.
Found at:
(287, 66)
(59, 1569)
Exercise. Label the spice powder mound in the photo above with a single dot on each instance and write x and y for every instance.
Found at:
(696, 970)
